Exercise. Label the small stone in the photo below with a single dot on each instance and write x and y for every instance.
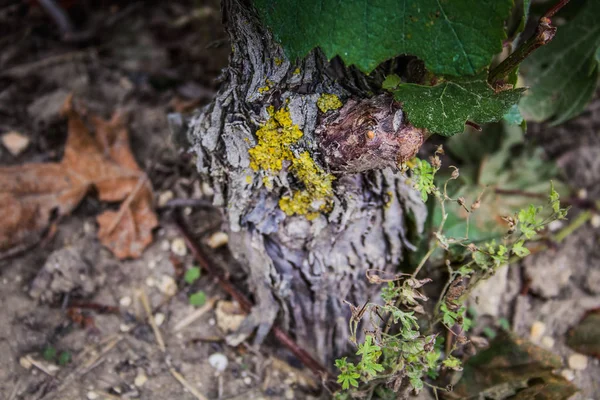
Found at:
(578, 362)
(152, 264)
(218, 361)
(150, 281)
(187, 211)
(595, 221)
(15, 142)
(555, 226)
(212, 322)
(537, 331)
(229, 316)
(125, 328)
(547, 342)
(248, 381)
(207, 190)
(165, 197)
(217, 239)
(140, 379)
(568, 374)
(159, 318)
(92, 395)
(179, 247)
(289, 394)
(165, 245)
(167, 285)
(125, 301)
(582, 194)
(25, 362)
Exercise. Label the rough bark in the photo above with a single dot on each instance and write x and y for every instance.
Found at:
(300, 271)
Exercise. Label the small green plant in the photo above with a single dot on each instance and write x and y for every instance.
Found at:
(198, 299)
(399, 348)
(192, 275)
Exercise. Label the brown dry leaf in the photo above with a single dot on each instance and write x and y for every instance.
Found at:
(30, 193)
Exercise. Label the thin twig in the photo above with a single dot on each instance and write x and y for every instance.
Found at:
(146, 304)
(195, 315)
(186, 384)
(544, 33)
(125, 205)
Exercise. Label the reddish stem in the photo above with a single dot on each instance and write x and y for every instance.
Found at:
(544, 33)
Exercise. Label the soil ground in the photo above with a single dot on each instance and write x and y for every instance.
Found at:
(149, 59)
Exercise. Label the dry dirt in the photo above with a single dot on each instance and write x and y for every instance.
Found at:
(151, 58)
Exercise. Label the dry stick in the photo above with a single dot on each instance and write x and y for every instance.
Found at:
(186, 384)
(246, 306)
(146, 304)
(125, 205)
(544, 33)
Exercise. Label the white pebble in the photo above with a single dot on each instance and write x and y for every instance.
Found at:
(15, 142)
(92, 395)
(125, 301)
(568, 374)
(125, 328)
(167, 285)
(595, 221)
(248, 381)
(140, 379)
(150, 281)
(179, 247)
(582, 194)
(159, 318)
(165, 245)
(547, 342)
(217, 239)
(25, 362)
(537, 331)
(218, 361)
(578, 362)
(165, 197)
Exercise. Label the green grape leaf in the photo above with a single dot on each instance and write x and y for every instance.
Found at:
(457, 37)
(444, 108)
(562, 75)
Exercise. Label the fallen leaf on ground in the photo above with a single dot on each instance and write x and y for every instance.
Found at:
(31, 193)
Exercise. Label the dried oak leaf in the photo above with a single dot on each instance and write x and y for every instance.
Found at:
(30, 193)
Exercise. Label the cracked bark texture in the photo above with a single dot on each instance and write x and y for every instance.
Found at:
(300, 271)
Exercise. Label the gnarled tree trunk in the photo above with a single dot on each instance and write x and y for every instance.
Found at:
(300, 269)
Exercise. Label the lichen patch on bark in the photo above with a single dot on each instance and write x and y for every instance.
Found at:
(273, 153)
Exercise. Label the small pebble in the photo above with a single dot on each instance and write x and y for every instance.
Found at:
(152, 264)
(165, 245)
(167, 285)
(212, 322)
(217, 239)
(187, 211)
(582, 194)
(150, 281)
(92, 395)
(289, 394)
(537, 331)
(547, 342)
(159, 318)
(578, 362)
(179, 247)
(165, 197)
(568, 374)
(25, 362)
(125, 328)
(207, 190)
(248, 381)
(140, 379)
(125, 301)
(595, 221)
(15, 142)
(218, 361)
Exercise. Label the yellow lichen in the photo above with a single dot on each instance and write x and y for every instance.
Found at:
(274, 140)
(265, 88)
(328, 101)
(296, 71)
(278, 61)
